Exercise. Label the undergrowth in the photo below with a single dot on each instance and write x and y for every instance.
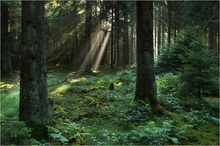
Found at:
(84, 111)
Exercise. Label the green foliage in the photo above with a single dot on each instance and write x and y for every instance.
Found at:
(199, 72)
(137, 113)
(127, 78)
(194, 65)
(196, 118)
(67, 132)
(155, 134)
(171, 59)
(167, 84)
(16, 132)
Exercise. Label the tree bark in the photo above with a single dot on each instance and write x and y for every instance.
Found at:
(125, 40)
(88, 34)
(159, 29)
(6, 62)
(169, 24)
(145, 82)
(112, 38)
(117, 32)
(34, 107)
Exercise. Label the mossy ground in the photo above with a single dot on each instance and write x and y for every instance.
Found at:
(107, 114)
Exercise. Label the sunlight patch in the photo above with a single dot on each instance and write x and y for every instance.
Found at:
(6, 86)
(61, 89)
(77, 80)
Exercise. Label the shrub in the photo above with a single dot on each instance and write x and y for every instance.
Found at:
(153, 134)
(167, 83)
(14, 132)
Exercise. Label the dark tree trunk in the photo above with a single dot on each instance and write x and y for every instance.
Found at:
(159, 29)
(126, 48)
(169, 24)
(88, 34)
(132, 37)
(117, 32)
(34, 107)
(145, 82)
(112, 39)
(6, 63)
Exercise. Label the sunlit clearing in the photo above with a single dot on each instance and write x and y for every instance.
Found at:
(60, 89)
(95, 44)
(77, 80)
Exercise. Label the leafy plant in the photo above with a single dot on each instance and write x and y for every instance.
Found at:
(137, 113)
(151, 134)
(167, 83)
(67, 132)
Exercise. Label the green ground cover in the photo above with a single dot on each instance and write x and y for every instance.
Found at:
(84, 111)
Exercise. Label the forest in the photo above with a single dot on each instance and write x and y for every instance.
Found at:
(109, 72)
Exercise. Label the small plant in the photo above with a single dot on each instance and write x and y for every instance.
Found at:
(66, 133)
(139, 113)
(152, 134)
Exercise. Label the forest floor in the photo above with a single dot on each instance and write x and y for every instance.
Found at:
(84, 111)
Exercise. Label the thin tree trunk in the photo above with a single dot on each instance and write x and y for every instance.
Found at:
(169, 24)
(112, 39)
(88, 34)
(132, 33)
(159, 30)
(125, 40)
(117, 32)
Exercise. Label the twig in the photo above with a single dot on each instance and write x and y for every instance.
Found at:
(58, 83)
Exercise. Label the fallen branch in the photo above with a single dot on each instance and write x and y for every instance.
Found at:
(54, 57)
(58, 83)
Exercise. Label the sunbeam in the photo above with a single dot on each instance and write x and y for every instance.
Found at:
(101, 52)
(95, 44)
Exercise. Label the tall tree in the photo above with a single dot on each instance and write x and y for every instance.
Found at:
(145, 82)
(88, 34)
(112, 37)
(159, 29)
(126, 48)
(169, 23)
(34, 107)
(5, 47)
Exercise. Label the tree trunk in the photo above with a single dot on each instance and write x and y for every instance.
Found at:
(112, 39)
(125, 40)
(117, 32)
(34, 107)
(145, 82)
(88, 34)
(6, 63)
(169, 24)
(159, 29)
(131, 36)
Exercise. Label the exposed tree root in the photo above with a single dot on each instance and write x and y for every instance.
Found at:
(160, 110)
